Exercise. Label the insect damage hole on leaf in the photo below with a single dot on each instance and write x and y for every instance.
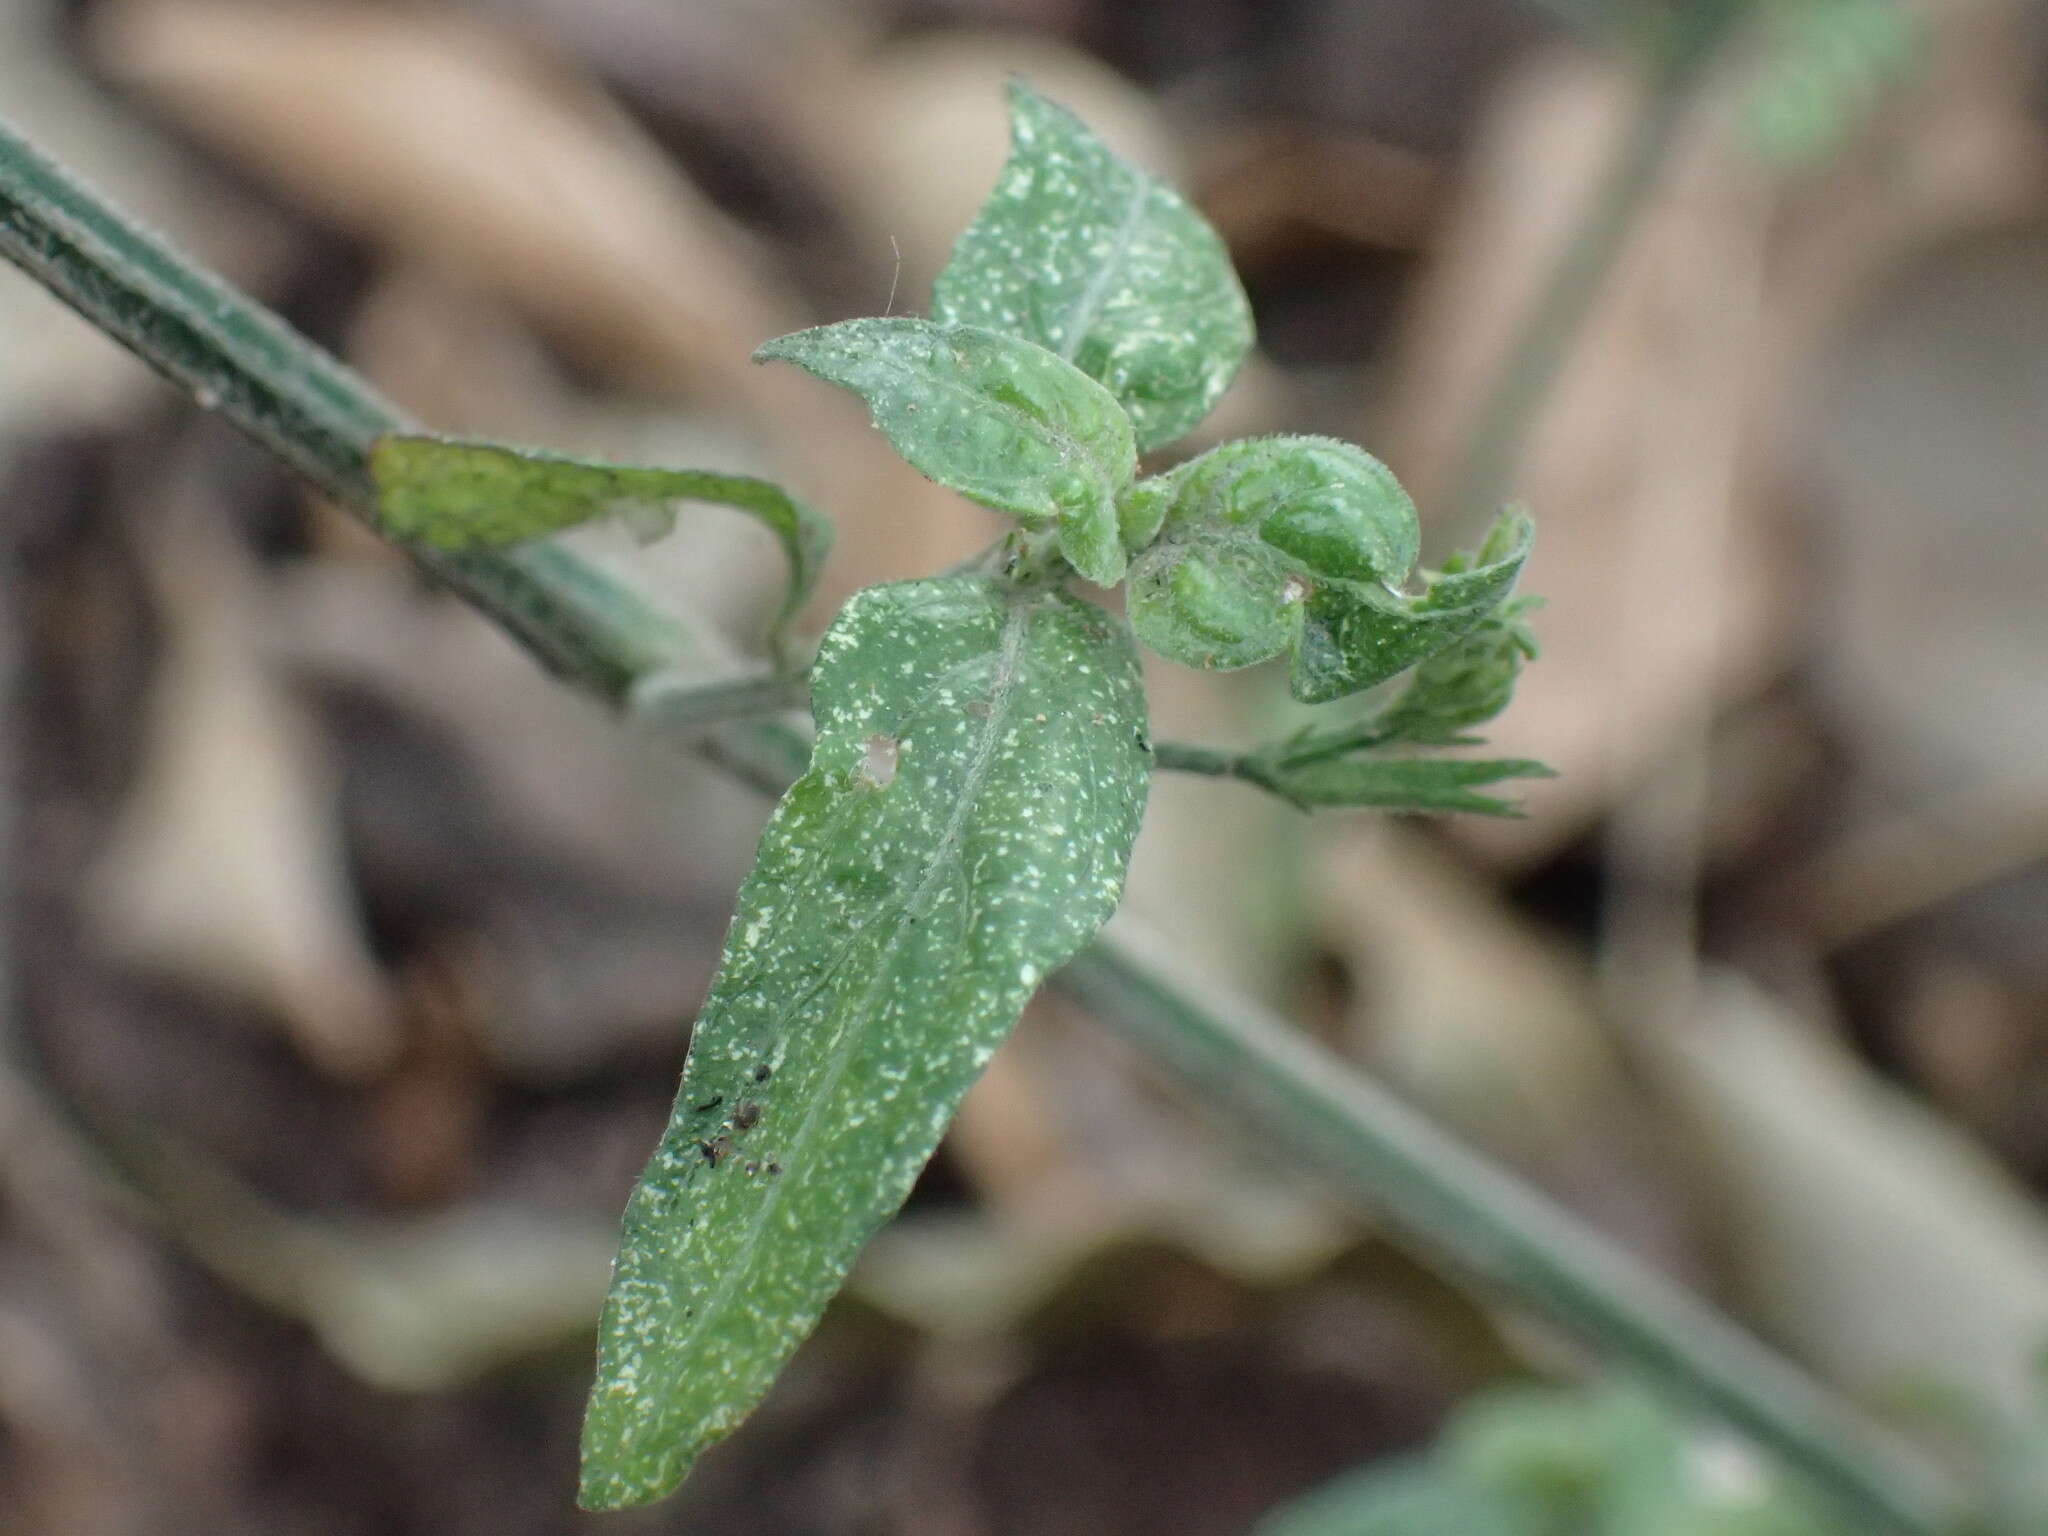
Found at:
(878, 761)
(884, 945)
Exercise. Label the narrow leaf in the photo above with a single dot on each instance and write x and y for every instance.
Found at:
(1355, 635)
(980, 769)
(461, 495)
(1421, 784)
(1001, 421)
(1112, 270)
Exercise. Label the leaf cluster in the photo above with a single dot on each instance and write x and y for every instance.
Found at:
(982, 754)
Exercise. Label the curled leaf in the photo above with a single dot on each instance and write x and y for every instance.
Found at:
(1243, 537)
(1002, 421)
(1355, 636)
(461, 494)
(1216, 599)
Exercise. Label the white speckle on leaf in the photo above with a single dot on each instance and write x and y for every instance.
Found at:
(884, 946)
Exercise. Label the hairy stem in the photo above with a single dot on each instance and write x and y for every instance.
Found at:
(591, 630)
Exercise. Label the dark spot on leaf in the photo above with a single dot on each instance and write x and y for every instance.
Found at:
(762, 1072)
(715, 1149)
(746, 1116)
(774, 1168)
(710, 1104)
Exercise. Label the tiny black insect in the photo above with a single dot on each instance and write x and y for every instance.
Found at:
(711, 1103)
(715, 1149)
(746, 1116)
(761, 1072)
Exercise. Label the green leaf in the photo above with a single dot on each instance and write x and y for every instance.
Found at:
(1001, 421)
(460, 494)
(1246, 532)
(1560, 1462)
(1331, 505)
(1405, 1498)
(963, 829)
(1099, 263)
(1216, 599)
(1355, 636)
(1562, 1449)
(1464, 685)
(1420, 784)
(1824, 67)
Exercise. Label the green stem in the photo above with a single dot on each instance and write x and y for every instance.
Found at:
(321, 419)
(1186, 757)
(1340, 741)
(678, 703)
(1484, 476)
(235, 357)
(1270, 1077)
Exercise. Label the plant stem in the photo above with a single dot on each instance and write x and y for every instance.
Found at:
(1262, 766)
(308, 409)
(1483, 479)
(319, 418)
(678, 703)
(1186, 757)
(1292, 1093)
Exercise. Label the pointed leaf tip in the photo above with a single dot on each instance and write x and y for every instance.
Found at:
(963, 830)
(1104, 266)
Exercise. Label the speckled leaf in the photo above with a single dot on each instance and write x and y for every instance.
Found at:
(1422, 784)
(1216, 598)
(979, 773)
(1105, 266)
(1329, 504)
(999, 420)
(1355, 635)
(1240, 537)
(461, 494)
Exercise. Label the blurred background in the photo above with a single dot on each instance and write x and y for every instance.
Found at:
(348, 962)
